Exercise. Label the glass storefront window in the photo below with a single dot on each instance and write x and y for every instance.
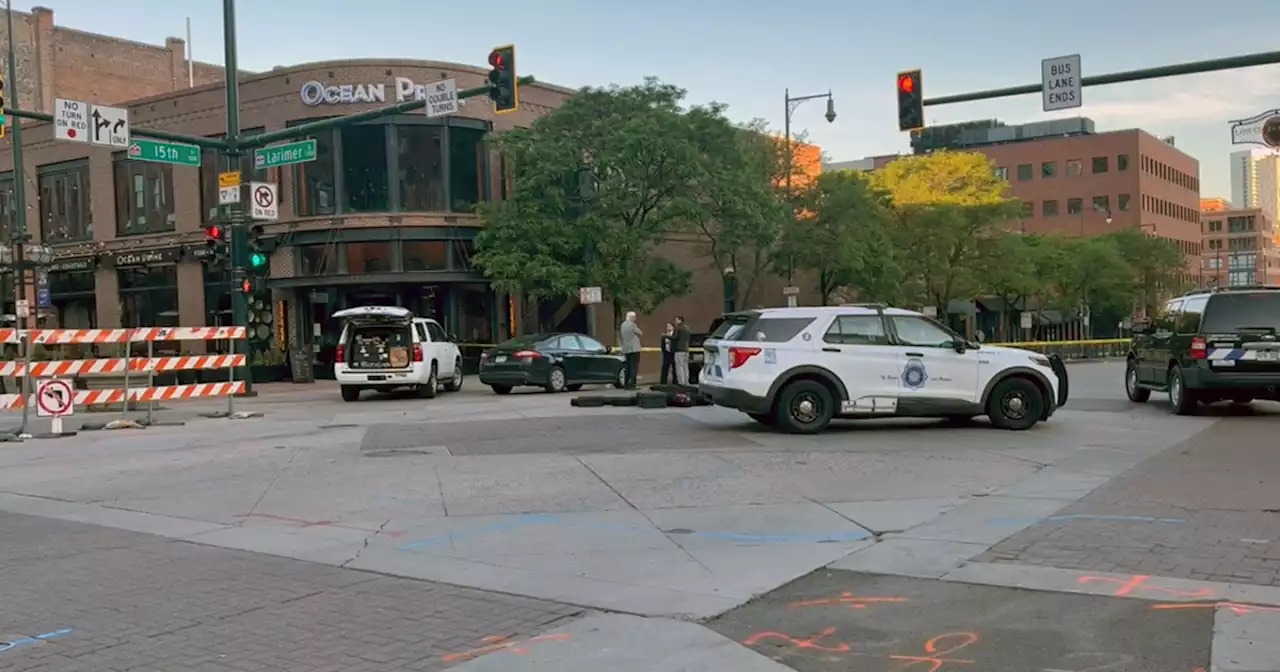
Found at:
(369, 258)
(463, 252)
(466, 168)
(7, 205)
(364, 168)
(211, 165)
(73, 298)
(316, 182)
(144, 197)
(425, 255)
(421, 175)
(64, 202)
(149, 296)
(317, 259)
(475, 314)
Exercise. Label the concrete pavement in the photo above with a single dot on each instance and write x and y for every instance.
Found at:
(664, 516)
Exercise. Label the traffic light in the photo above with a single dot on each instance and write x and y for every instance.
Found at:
(910, 101)
(247, 286)
(257, 253)
(503, 87)
(215, 242)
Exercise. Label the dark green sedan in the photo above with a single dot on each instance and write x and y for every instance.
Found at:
(557, 362)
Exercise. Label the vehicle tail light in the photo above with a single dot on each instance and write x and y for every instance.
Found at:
(739, 356)
(527, 355)
(1199, 348)
(340, 355)
(417, 352)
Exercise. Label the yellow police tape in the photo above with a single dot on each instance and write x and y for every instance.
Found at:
(1029, 345)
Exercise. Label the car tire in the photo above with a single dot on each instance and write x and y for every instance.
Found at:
(455, 383)
(431, 388)
(1016, 404)
(501, 389)
(620, 380)
(1181, 399)
(574, 388)
(350, 393)
(769, 419)
(1136, 394)
(557, 382)
(804, 407)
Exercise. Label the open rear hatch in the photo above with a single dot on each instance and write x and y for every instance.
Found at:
(1240, 332)
(378, 338)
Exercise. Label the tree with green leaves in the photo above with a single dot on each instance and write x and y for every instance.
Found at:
(1157, 264)
(840, 235)
(1089, 274)
(596, 185)
(1014, 267)
(947, 206)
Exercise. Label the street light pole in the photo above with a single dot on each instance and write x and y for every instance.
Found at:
(236, 225)
(791, 105)
(18, 230)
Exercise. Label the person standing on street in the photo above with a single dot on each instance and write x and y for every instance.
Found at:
(668, 354)
(680, 351)
(629, 333)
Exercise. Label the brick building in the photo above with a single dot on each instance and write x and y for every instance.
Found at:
(1240, 248)
(57, 62)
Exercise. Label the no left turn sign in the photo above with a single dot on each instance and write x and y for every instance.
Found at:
(264, 201)
(54, 398)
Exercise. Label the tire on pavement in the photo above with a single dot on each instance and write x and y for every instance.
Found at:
(1138, 395)
(556, 380)
(455, 383)
(804, 407)
(1015, 403)
(431, 388)
(350, 393)
(1181, 399)
(501, 389)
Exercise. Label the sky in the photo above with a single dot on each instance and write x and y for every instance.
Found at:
(748, 53)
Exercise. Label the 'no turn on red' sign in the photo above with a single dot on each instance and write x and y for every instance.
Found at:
(262, 196)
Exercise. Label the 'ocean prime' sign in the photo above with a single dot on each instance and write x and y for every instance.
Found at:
(315, 94)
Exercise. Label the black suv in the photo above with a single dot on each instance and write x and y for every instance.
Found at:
(1209, 346)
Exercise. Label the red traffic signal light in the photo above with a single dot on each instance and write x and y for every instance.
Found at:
(213, 232)
(247, 286)
(496, 60)
(906, 83)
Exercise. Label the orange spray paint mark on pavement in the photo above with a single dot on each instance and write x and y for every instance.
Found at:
(811, 644)
(495, 643)
(846, 599)
(936, 650)
(1236, 607)
(1139, 583)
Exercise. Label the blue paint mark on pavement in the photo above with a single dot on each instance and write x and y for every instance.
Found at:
(522, 521)
(27, 641)
(1085, 516)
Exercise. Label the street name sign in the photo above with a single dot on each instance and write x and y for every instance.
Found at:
(109, 126)
(176, 153)
(284, 155)
(1060, 83)
(442, 98)
(71, 120)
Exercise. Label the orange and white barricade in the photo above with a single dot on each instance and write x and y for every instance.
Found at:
(126, 366)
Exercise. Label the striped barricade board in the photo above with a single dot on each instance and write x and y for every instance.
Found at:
(137, 394)
(92, 367)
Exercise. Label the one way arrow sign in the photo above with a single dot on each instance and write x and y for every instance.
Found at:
(109, 126)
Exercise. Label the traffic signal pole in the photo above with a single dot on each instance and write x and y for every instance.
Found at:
(231, 163)
(1176, 70)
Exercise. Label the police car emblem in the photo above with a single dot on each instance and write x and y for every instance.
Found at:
(913, 374)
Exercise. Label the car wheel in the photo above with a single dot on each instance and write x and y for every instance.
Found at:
(455, 381)
(1136, 394)
(429, 389)
(804, 407)
(1015, 403)
(501, 389)
(575, 387)
(620, 380)
(350, 393)
(767, 419)
(1181, 399)
(556, 382)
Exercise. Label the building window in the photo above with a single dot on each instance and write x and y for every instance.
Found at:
(369, 257)
(1122, 163)
(1102, 204)
(1075, 206)
(1024, 172)
(1074, 167)
(211, 165)
(1240, 278)
(315, 183)
(475, 321)
(421, 163)
(74, 299)
(144, 197)
(1049, 169)
(1240, 224)
(1001, 173)
(317, 259)
(425, 255)
(364, 168)
(1049, 208)
(467, 163)
(1028, 209)
(149, 296)
(1122, 202)
(1215, 225)
(8, 205)
(64, 202)
(1100, 164)
(1215, 244)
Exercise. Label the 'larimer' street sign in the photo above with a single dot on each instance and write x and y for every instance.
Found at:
(284, 155)
(1060, 82)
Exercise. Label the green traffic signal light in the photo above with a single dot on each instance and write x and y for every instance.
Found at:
(257, 259)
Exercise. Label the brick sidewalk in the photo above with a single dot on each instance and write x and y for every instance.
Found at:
(1207, 509)
(111, 600)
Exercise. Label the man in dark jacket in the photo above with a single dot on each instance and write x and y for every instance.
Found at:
(668, 355)
(680, 348)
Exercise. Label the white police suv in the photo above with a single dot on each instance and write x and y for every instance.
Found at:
(796, 369)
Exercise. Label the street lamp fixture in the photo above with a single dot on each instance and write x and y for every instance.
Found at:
(38, 254)
(791, 104)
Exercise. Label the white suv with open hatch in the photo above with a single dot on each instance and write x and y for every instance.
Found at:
(796, 369)
(386, 347)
